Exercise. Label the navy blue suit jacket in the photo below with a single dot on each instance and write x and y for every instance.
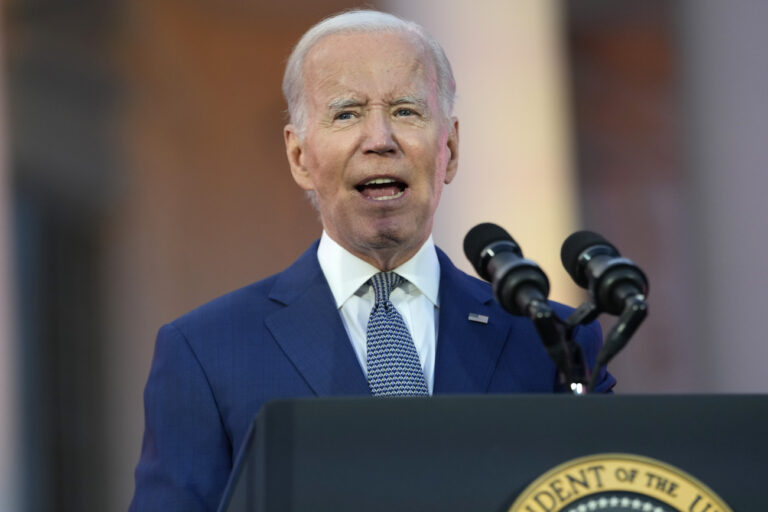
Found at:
(215, 367)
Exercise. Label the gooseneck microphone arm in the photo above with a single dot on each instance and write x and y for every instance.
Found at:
(521, 288)
(630, 319)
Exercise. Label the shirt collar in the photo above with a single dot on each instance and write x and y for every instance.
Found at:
(346, 273)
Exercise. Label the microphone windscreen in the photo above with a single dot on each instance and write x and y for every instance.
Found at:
(480, 237)
(574, 246)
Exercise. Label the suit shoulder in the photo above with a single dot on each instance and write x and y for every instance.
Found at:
(483, 290)
(562, 310)
(243, 301)
(244, 309)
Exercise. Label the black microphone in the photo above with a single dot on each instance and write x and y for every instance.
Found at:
(518, 284)
(613, 282)
(521, 288)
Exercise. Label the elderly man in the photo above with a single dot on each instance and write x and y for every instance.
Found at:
(373, 308)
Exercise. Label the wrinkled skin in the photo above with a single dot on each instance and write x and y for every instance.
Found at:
(373, 112)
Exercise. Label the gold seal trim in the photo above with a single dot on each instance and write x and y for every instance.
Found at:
(617, 472)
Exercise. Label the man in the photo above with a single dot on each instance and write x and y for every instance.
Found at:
(373, 141)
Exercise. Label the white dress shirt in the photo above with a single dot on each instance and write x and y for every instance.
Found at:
(416, 299)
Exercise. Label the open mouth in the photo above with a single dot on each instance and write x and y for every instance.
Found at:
(382, 189)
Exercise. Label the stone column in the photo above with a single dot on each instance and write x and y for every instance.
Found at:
(8, 410)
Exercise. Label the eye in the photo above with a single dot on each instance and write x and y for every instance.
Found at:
(344, 116)
(405, 112)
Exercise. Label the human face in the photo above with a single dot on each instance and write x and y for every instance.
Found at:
(377, 147)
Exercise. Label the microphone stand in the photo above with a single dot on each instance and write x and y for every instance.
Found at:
(561, 347)
(634, 312)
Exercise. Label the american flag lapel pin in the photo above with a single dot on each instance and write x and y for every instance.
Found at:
(481, 319)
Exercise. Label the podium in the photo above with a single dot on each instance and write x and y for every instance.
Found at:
(478, 453)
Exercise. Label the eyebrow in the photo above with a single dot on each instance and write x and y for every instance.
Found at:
(410, 100)
(342, 103)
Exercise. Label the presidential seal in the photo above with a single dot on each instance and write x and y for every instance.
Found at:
(617, 482)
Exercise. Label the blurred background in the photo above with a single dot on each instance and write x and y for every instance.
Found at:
(142, 173)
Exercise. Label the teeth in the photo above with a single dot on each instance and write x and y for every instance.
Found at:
(380, 181)
(386, 198)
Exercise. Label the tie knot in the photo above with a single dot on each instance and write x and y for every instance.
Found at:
(383, 283)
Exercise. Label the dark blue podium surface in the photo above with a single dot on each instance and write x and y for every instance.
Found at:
(477, 453)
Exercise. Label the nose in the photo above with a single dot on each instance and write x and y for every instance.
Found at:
(379, 137)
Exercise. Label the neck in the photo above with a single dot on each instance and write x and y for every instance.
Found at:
(385, 256)
(386, 260)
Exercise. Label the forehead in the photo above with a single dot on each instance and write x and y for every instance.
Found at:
(370, 64)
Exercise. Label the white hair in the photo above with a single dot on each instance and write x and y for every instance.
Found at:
(360, 21)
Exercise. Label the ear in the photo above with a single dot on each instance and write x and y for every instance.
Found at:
(294, 150)
(453, 151)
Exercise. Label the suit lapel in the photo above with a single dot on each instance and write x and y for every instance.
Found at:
(310, 331)
(467, 351)
(311, 334)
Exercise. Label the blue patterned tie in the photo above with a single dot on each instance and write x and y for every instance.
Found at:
(394, 368)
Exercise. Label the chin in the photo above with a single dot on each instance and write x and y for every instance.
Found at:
(393, 238)
(385, 240)
(389, 232)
